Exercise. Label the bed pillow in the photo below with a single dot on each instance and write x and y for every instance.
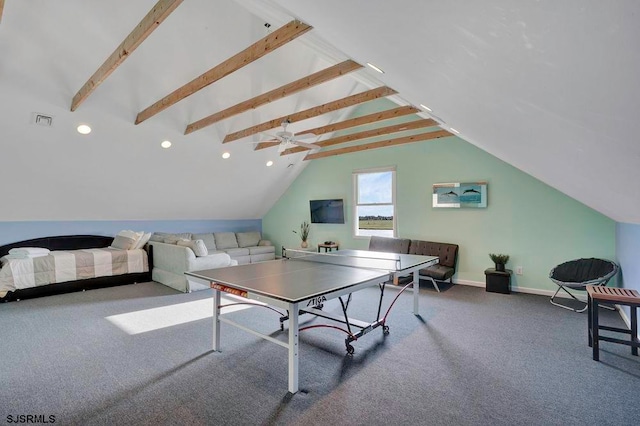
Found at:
(128, 239)
(30, 251)
(198, 247)
(143, 240)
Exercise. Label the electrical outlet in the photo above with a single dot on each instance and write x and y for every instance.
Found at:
(518, 270)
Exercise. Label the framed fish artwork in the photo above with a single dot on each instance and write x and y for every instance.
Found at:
(460, 195)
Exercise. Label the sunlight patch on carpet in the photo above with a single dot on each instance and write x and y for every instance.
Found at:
(167, 316)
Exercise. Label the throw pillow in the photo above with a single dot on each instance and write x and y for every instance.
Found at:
(208, 239)
(198, 247)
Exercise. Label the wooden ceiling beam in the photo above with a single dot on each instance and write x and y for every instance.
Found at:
(150, 22)
(365, 119)
(381, 144)
(1, 7)
(288, 89)
(399, 127)
(266, 144)
(267, 44)
(313, 112)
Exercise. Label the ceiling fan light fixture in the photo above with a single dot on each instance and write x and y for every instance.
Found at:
(373, 67)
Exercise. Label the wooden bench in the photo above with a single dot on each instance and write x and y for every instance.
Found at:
(620, 296)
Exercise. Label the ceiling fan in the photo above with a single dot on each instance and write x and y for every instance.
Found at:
(287, 140)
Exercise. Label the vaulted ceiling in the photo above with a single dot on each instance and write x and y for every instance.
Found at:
(548, 87)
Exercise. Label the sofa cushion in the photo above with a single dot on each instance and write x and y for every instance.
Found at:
(225, 240)
(261, 250)
(198, 247)
(262, 257)
(235, 252)
(248, 239)
(208, 239)
(389, 245)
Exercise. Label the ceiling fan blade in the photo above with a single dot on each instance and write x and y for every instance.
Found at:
(304, 135)
(307, 145)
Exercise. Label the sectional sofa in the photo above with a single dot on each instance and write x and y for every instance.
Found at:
(175, 254)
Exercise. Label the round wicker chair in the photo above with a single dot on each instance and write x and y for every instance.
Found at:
(577, 274)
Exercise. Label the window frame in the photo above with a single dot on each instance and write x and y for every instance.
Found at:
(393, 203)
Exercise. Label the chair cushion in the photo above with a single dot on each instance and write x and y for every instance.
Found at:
(438, 272)
(389, 245)
(447, 253)
(580, 272)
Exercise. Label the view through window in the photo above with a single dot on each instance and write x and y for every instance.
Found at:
(375, 202)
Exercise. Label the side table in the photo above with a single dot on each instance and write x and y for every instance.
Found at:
(328, 247)
(498, 281)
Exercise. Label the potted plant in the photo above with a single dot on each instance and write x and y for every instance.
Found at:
(500, 260)
(304, 233)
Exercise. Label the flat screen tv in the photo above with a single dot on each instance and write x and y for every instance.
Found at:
(327, 211)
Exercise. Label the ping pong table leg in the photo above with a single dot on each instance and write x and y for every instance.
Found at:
(293, 347)
(416, 292)
(216, 320)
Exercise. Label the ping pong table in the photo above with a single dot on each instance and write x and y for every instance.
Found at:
(301, 282)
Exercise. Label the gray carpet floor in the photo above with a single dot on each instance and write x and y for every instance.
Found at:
(140, 354)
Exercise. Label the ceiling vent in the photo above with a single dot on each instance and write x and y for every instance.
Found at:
(41, 119)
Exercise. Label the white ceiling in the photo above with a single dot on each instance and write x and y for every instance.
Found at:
(549, 87)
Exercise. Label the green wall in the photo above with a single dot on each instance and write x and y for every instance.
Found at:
(535, 224)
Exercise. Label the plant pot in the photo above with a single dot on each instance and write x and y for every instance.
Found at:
(500, 267)
(304, 244)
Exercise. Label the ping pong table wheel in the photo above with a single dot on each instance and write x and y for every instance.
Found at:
(350, 349)
(385, 329)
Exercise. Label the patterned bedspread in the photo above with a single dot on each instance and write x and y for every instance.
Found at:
(69, 265)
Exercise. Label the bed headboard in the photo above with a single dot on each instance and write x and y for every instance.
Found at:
(62, 242)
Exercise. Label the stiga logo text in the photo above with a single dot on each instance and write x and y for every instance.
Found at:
(31, 418)
(316, 301)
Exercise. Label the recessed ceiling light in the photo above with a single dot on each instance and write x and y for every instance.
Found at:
(269, 163)
(453, 130)
(165, 144)
(226, 155)
(84, 129)
(425, 107)
(375, 68)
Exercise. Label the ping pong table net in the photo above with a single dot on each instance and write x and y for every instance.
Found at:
(363, 259)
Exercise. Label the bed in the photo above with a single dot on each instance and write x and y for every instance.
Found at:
(86, 276)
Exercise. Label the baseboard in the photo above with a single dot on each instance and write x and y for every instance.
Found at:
(515, 289)
(541, 292)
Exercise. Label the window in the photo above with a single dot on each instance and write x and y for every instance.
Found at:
(375, 199)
